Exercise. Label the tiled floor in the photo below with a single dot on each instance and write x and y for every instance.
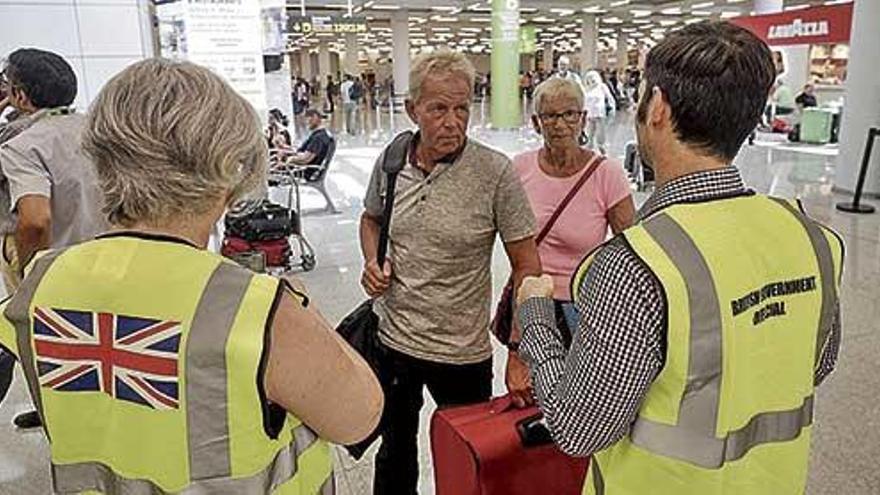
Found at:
(846, 445)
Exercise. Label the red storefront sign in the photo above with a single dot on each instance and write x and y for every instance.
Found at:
(829, 24)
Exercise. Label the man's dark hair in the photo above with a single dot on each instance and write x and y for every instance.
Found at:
(314, 113)
(45, 77)
(716, 77)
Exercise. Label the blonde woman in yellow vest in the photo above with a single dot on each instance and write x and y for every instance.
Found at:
(157, 366)
(707, 326)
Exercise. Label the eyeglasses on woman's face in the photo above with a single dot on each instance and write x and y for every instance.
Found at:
(569, 117)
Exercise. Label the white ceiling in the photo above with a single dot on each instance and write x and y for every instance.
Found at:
(466, 25)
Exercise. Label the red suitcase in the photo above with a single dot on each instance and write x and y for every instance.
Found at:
(479, 450)
(277, 252)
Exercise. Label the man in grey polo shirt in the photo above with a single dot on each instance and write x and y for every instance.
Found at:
(49, 194)
(433, 297)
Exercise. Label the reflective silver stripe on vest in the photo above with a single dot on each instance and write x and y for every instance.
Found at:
(693, 438)
(206, 401)
(826, 272)
(699, 406)
(76, 478)
(18, 313)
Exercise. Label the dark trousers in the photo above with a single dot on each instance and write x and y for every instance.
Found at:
(397, 464)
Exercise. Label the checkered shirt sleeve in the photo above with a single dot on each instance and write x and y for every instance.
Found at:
(591, 394)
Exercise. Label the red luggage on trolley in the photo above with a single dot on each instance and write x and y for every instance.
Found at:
(495, 449)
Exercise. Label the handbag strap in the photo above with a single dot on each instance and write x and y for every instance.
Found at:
(395, 159)
(594, 164)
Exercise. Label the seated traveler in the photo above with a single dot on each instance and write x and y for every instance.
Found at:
(313, 151)
(160, 367)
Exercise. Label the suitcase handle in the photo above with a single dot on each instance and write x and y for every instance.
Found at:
(501, 404)
(533, 431)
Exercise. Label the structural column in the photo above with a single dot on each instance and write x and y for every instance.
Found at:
(622, 50)
(768, 6)
(505, 109)
(862, 100)
(350, 59)
(548, 56)
(323, 60)
(589, 31)
(400, 54)
(305, 64)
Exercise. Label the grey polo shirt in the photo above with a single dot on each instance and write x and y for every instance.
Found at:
(443, 230)
(47, 160)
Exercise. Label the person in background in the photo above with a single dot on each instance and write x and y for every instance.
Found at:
(783, 99)
(301, 96)
(277, 135)
(220, 380)
(454, 197)
(313, 151)
(331, 93)
(599, 105)
(563, 70)
(525, 86)
(706, 327)
(349, 105)
(807, 98)
(49, 194)
(549, 173)
(614, 86)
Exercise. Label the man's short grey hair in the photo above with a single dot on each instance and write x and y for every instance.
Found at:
(170, 140)
(439, 62)
(557, 86)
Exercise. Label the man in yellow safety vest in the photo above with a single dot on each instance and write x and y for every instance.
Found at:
(706, 327)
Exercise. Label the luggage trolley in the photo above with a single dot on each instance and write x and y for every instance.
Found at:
(286, 176)
(262, 235)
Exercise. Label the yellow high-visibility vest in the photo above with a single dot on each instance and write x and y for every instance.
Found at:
(751, 287)
(145, 356)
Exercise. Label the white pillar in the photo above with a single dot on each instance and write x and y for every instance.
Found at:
(548, 57)
(336, 64)
(622, 50)
(400, 54)
(768, 6)
(305, 64)
(323, 60)
(324, 67)
(350, 60)
(589, 60)
(862, 101)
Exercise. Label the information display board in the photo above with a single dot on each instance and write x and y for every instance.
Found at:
(298, 25)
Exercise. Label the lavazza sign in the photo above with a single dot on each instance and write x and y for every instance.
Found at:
(798, 29)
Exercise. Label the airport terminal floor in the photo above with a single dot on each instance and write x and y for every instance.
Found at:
(846, 439)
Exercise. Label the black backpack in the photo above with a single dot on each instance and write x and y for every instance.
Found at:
(356, 91)
(260, 220)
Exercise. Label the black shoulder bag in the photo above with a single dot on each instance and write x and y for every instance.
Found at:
(361, 327)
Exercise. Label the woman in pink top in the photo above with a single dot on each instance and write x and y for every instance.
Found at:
(549, 173)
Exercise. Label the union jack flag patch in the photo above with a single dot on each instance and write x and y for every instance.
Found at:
(128, 358)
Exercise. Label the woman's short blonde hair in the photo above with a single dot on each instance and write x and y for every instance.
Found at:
(442, 62)
(171, 140)
(557, 86)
